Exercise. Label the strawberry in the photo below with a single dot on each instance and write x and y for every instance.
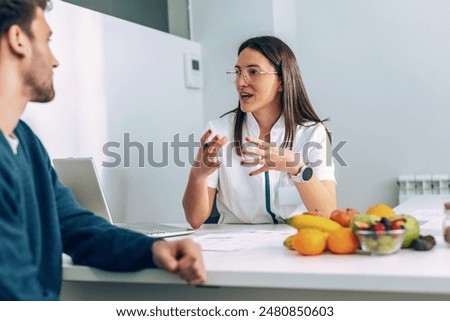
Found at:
(397, 224)
(379, 227)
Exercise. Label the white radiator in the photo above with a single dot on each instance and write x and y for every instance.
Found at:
(410, 185)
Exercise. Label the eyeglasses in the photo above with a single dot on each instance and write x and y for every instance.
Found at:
(251, 74)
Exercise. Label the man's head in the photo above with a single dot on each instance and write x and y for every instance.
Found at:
(25, 35)
(19, 12)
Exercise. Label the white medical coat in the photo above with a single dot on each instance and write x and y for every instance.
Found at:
(269, 197)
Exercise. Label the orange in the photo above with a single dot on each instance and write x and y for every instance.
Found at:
(381, 210)
(310, 241)
(342, 241)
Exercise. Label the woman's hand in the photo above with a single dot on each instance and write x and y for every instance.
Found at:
(207, 160)
(318, 196)
(271, 157)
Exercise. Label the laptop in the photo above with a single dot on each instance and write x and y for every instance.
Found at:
(80, 175)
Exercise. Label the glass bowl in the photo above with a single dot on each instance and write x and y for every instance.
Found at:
(381, 242)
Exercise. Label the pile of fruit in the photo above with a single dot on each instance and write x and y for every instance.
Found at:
(316, 234)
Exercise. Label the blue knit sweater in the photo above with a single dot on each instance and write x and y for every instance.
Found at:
(40, 219)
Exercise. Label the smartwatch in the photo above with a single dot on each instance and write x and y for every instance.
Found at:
(305, 174)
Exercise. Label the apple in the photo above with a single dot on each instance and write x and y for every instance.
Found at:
(344, 216)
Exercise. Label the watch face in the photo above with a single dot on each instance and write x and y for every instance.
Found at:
(307, 173)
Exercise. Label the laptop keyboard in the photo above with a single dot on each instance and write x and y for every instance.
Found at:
(157, 231)
(145, 230)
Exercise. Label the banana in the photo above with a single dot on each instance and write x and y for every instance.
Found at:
(313, 221)
(289, 242)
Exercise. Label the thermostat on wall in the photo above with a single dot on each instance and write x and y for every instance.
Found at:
(192, 71)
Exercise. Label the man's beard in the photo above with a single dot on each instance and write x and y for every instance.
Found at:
(43, 95)
(40, 91)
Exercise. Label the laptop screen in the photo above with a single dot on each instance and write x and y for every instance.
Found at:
(80, 175)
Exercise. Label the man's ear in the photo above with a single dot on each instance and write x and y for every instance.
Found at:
(18, 41)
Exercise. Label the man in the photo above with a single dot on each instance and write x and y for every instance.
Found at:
(39, 217)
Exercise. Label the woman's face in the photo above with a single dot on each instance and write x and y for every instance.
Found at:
(263, 94)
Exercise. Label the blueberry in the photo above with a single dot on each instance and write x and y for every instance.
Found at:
(386, 223)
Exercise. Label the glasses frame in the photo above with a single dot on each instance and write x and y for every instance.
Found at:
(239, 73)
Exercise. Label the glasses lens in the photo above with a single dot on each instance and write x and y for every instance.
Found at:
(251, 75)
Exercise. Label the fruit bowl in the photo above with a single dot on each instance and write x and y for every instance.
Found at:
(381, 242)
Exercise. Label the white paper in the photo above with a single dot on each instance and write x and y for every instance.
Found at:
(238, 241)
(430, 221)
(425, 216)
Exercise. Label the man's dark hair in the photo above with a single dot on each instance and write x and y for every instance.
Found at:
(19, 12)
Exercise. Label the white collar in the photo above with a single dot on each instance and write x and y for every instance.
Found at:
(13, 142)
(253, 127)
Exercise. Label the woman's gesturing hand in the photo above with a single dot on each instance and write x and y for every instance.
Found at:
(270, 156)
(207, 160)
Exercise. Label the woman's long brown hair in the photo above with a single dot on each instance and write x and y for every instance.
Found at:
(295, 104)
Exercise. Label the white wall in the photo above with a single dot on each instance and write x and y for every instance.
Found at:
(221, 26)
(117, 77)
(379, 69)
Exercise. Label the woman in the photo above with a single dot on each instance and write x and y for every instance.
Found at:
(276, 164)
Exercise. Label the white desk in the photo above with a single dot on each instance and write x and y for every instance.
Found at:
(275, 273)
(428, 202)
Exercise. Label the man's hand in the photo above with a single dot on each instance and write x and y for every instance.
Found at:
(183, 257)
